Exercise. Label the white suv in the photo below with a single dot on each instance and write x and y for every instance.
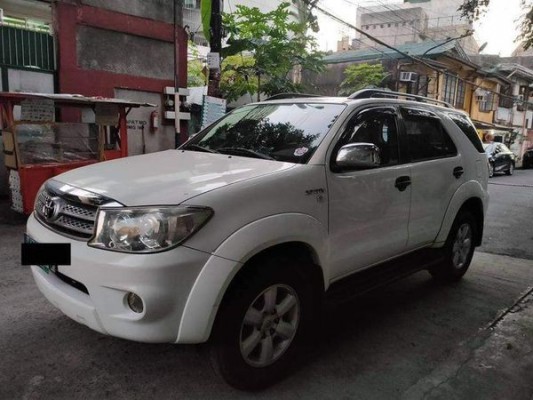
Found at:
(238, 236)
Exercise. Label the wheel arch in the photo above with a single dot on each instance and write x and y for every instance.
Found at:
(471, 197)
(474, 205)
(303, 237)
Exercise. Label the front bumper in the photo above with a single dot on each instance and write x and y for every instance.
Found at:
(162, 280)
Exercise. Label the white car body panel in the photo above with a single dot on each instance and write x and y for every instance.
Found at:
(349, 221)
(433, 185)
(167, 177)
(354, 220)
(212, 282)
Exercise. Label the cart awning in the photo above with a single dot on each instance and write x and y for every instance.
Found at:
(69, 99)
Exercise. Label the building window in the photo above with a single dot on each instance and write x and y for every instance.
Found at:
(450, 84)
(460, 97)
(423, 82)
(523, 97)
(506, 98)
(486, 102)
(192, 4)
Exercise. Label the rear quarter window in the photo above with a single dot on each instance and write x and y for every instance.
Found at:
(468, 129)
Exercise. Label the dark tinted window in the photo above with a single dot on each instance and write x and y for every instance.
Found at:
(376, 126)
(426, 136)
(468, 129)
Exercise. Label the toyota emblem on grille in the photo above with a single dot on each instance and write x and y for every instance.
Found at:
(50, 208)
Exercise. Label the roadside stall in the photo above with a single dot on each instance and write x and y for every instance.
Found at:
(37, 146)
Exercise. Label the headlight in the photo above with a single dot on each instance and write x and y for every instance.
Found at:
(146, 229)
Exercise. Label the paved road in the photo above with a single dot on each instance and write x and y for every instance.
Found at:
(412, 340)
(509, 223)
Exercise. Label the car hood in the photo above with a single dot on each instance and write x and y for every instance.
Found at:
(167, 177)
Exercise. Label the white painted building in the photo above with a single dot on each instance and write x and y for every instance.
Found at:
(412, 22)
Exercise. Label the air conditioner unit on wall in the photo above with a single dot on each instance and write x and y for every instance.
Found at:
(408, 76)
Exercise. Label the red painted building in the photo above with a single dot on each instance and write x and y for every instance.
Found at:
(119, 48)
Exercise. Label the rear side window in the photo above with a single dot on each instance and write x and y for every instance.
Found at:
(426, 137)
(468, 129)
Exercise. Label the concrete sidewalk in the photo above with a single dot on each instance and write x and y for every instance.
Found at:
(497, 363)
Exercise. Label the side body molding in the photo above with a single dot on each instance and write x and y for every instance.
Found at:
(211, 284)
(466, 191)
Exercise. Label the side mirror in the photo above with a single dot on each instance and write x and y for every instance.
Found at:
(358, 156)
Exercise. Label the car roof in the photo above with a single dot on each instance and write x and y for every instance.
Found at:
(382, 96)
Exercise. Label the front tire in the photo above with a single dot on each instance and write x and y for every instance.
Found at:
(261, 325)
(458, 250)
(510, 170)
(491, 170)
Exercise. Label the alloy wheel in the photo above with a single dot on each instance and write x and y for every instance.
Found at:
(269, 325)
(462, 246)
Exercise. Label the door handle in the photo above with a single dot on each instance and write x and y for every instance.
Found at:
(458, 171)
(402, 182)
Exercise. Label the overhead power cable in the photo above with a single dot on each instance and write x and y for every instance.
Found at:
(373, 38)
(408, 56)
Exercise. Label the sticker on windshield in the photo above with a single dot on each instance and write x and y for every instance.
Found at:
(300, 151)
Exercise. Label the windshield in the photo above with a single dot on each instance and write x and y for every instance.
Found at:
(281, 132)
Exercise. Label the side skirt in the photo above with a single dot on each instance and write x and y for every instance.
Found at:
(381, 275)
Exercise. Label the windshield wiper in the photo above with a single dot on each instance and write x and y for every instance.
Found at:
(241, 151)
(199, 148)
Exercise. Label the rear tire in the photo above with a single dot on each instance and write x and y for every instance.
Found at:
(458, 250)
(510, 170)
(261, 324)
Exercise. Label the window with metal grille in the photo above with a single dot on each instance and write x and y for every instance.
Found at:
(506, 100)
(487, 102)
(450, 86)
(460, 97)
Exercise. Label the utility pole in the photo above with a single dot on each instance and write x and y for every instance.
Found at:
(179, 42)
(215, 42)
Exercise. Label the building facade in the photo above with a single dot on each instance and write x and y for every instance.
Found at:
(121, 48)
(413, 21)
(441, 71)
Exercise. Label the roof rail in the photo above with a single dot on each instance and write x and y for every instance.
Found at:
(373, 93)
(281, 96)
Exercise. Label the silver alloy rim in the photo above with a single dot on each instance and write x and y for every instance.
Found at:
(511, 168)
(269, 325)
(462, 245)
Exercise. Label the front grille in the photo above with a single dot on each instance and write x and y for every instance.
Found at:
(66, 215)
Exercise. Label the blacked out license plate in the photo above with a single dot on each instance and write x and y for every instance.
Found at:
(28, 257)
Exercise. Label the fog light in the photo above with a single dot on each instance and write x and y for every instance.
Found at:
(135, 303)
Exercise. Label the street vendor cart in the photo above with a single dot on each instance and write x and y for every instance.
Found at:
(37, 146)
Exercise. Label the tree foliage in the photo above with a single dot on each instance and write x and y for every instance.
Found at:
(359, 76)
(195, 68)
(275, 41)
(474, 9)
(238, 78)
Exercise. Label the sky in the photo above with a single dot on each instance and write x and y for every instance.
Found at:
(498, 27)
